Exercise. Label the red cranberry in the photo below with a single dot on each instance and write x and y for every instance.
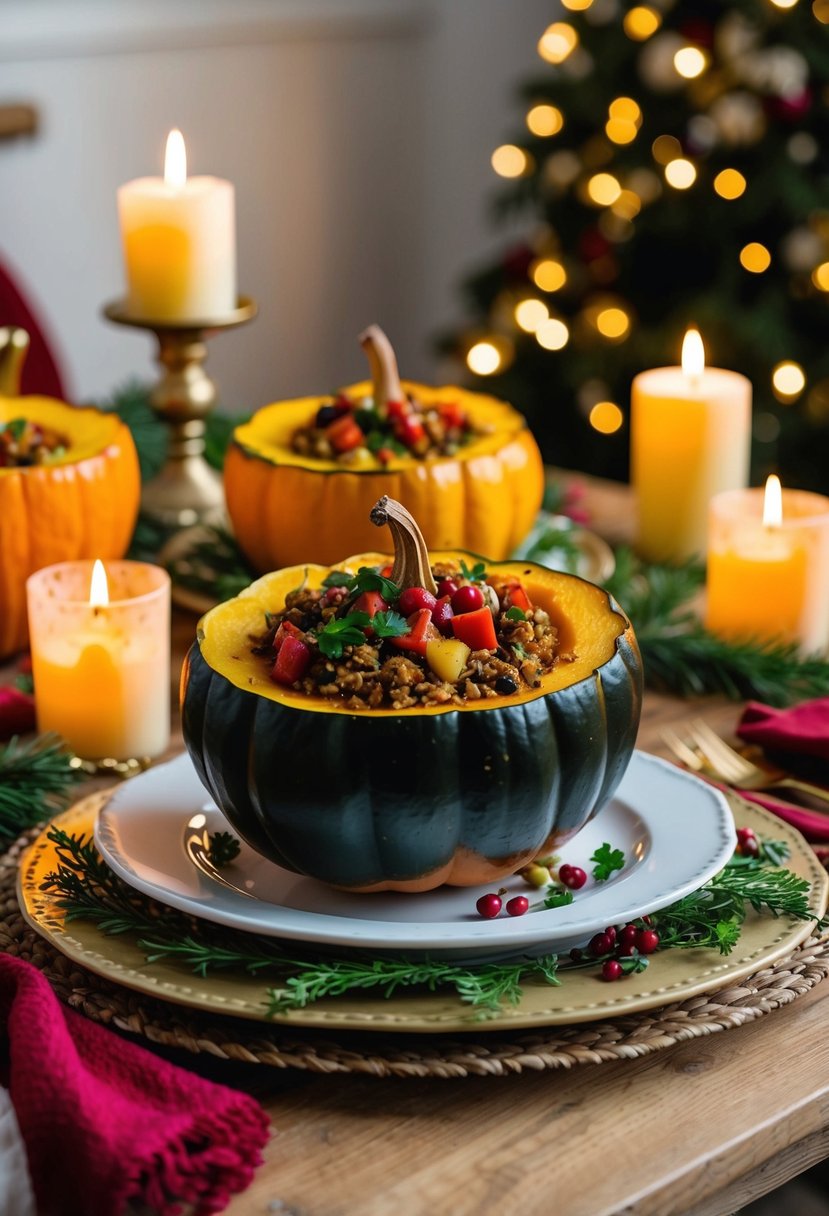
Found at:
(599, 944)
(442, 615)
(647, 941)
(749, 847)
(611, 934)
(628, 935)
(518, 905)
(413, 599)
(573, 877)
(576, 955)
(611, 970)
(627, 951)
(447, 586)
(744, 834)
(409, 430)
(489, 905)
(467, 599)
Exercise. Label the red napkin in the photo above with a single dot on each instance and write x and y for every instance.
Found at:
(104, 1121)
(802, 730)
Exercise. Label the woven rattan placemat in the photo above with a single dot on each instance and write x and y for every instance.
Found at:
(460, 1055)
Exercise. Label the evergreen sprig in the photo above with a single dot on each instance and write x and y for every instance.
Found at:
(37, 777)
(86, 889)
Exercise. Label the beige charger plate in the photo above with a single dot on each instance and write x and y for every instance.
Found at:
(673, 976)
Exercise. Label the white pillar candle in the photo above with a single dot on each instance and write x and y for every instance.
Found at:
(690, 440)
(179, 241)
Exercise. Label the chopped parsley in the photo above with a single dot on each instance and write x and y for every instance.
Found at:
(605, 861)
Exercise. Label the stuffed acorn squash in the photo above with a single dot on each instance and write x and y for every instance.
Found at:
(440, 719)
(302, 475)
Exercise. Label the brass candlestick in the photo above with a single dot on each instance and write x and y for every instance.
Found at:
(186, 490)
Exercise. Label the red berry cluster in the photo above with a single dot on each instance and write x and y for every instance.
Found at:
(489, 905)
(747, 843)
(620, 942)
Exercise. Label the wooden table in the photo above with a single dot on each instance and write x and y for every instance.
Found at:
(700, 1128)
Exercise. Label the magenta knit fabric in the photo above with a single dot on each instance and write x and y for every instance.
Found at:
(105, 1121)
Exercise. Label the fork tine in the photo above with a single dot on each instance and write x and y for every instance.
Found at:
(681, 750)
(732, 764)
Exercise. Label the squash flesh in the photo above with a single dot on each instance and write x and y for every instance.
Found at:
(581, 611)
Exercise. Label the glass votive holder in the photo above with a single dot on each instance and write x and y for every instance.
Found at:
(101, 657)
(769, 581)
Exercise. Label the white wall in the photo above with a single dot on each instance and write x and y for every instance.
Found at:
(357, 133)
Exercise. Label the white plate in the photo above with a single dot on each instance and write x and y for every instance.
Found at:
(674, 830)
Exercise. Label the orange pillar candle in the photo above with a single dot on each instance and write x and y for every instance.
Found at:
(690, 439)
(179, 241)
(768, 566)
(100, 642)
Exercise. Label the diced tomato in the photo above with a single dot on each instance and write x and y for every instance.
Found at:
(292, 661)
(398, 409)
(384, 455)
(421, 631)
(477, 629)
(344, 434)
(286, 629)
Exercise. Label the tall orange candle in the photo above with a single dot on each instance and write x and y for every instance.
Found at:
(768, 566)
(690, 439)
(100, 644)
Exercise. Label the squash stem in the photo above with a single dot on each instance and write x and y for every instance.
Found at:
(411, 557)
(383, 364)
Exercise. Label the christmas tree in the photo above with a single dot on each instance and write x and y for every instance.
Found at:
(673, 169)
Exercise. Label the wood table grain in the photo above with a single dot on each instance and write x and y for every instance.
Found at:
(698, 1129)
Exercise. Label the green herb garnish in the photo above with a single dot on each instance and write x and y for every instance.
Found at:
(559, 897)
(342, 631)
(389, 625)
(476, 575)
(515, 614)
(337, 578)
(605, 861)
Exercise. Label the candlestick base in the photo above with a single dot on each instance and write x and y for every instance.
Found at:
(186, 490)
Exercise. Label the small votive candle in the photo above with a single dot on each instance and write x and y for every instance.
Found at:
(768, 566)
(100, 640)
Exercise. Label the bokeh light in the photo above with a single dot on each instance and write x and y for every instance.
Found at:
(548, 274)
(755, 257)
(510, 161)
(603, 189)
(666, 148)
(544, 120)
(557, 42)
(820, 276)
(530, 313)
(552, 334)
(613, 323)
(483, 359)
(690, 62)
(606, 417)
(788, 380)
(729, 183)
(641, 22)
(680, 173)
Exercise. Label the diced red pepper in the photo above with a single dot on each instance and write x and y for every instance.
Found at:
(453, 415)
(518, 598)
(344, 434)
(384, 455)
(286, 629)
(409, 430)
(370, 602)
(477, 629)
(421, 631)
(292, 661)
(398, 409)
(386, 571)
(342, 404)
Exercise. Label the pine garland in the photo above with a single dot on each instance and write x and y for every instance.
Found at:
(36, 780)
(86, 889)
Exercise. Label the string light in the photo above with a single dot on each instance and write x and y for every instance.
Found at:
(552, 334)
(730, 183)
(613, 323)
(788, 380)
(510, 161)
(784, 3)
(548, 274)
(603, 189)
(544, 120)
(820, 276)
(755, 257)
(557, 42)
(624, 122)
(640, 22)
(680, 173)
(577, 6)
(606, 417)
(690, 62)
(483, 359)
(627, 205)
(820, 8)
(626, 109)
(530, 314)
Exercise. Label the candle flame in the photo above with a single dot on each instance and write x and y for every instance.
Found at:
(773, 503)
(98, 588)
(693, 354)
(175, 160)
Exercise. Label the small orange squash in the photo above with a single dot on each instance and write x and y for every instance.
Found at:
(82, 504)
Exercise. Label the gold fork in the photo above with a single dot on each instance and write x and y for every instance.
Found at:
(723, 763)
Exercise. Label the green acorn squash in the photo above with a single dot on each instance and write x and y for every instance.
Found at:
(407, 800)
